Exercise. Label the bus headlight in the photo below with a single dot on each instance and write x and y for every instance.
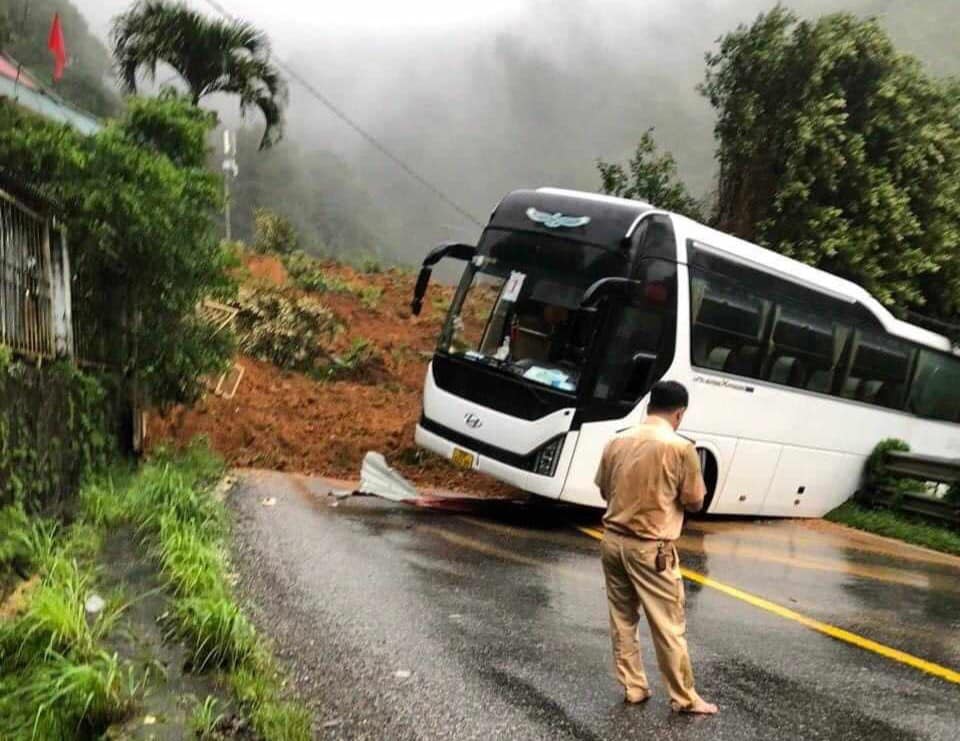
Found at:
(548, 456)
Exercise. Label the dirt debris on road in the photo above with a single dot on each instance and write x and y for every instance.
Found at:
(291, 422)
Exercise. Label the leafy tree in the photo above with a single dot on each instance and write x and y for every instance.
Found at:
(86, 80)
(211, 55)
(171, 125)
(839, 151)
(650, 177)
(142, 233)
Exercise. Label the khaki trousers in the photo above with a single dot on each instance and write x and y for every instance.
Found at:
(629, 567)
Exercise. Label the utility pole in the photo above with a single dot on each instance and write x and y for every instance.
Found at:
(230, 171)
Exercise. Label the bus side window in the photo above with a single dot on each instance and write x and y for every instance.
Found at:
(933, 393)
(879, 370)
(728, 326)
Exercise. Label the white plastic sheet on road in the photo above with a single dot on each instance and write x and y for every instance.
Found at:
(377, 478)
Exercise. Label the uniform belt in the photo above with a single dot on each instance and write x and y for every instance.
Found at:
(638, 538)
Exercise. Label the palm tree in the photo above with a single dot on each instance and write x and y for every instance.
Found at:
(211, 55)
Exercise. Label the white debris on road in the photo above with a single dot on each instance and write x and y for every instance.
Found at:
(379, 479)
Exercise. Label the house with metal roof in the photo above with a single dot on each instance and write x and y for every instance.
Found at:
(19, 86)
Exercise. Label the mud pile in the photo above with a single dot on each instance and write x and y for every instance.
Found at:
(291, 422)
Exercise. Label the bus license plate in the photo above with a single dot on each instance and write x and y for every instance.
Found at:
(462, 459)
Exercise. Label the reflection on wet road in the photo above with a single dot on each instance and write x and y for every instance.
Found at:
(501, 621)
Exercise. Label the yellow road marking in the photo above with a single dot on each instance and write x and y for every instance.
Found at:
(838, 633)
(867, 571)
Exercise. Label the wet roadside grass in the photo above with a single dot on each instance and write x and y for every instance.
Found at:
(169, 649)
(897, 525)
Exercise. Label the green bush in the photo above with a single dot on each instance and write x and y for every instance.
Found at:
(141, 209)
(953, 494)
(292, 332)
(308, 273)
(57, 424)
(273, 233)
(875, 467)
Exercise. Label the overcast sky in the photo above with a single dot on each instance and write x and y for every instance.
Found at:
(483, 96)
(288, 18)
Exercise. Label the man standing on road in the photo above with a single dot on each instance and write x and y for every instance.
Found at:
(648, 476)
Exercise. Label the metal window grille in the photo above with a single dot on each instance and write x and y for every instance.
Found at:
(26, 280)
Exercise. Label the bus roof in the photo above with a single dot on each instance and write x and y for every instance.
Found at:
(585, 217)
(758, 257)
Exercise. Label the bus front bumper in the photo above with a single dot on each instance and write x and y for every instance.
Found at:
(545, 486)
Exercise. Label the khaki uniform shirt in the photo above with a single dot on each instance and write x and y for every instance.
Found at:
(648, 476)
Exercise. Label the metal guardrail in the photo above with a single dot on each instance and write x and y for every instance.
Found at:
(915, 467)
(923, 467)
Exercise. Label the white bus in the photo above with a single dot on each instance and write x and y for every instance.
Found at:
(573, 305)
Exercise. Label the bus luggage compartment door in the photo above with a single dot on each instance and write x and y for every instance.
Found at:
(809, 483)
(746, 484)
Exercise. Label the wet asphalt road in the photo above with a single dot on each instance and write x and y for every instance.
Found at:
(399, 623)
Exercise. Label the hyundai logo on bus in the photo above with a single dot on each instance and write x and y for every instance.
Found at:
(472, 421)
(552, 221)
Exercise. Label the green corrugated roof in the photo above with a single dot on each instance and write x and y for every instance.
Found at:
(47, 105)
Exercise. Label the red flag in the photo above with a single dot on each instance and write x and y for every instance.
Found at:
(57, 47)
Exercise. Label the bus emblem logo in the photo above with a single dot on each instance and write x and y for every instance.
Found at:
(473, 421)
(552, 221)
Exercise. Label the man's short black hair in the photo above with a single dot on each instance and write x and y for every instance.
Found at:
(668, 396)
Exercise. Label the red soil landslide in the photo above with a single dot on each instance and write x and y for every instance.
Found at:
(291, 422)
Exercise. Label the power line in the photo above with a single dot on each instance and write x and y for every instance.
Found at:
(370, 138)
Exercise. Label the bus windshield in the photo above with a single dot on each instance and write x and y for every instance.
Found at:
(517, 307)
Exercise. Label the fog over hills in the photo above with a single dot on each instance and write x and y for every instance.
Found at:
(484, 99)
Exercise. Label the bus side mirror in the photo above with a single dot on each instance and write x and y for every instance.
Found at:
(423, 279)
(450, 249)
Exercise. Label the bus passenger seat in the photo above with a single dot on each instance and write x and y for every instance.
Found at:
(851, 388)
(742, 362)
(820, 381)
(869, 390)
(718, 357)
(782, 370)
(889, 395)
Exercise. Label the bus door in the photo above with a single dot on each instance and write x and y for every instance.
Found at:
(633, 349)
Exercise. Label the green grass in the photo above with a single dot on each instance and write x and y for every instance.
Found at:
(258, 687)
(205, 719)
(897, 525)
(56, 681)
(63, 697)
(185, 527)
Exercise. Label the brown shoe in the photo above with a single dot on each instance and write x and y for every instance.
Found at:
(635, 697)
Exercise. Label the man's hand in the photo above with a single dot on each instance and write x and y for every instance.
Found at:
(695, 506)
